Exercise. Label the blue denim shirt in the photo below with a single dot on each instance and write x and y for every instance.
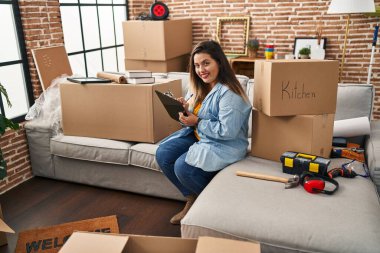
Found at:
(223, 130)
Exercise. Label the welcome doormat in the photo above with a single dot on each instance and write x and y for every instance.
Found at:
(51, 239)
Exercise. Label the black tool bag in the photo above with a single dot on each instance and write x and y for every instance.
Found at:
(296, 163)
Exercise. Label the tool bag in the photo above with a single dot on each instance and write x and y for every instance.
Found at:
(296, 163)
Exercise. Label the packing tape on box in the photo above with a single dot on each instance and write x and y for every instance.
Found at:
(351, 127)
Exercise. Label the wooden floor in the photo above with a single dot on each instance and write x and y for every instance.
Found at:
(42, 202)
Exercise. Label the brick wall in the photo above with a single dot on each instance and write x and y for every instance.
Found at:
(280, 21)
(42, 26)
(41, 21)
(15, 151)
(277, 21)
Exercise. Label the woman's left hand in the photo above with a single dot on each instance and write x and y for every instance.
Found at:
(189, 120)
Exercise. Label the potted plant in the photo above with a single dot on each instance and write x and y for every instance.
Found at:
(4, 124)
(304, 53)
(253, 47)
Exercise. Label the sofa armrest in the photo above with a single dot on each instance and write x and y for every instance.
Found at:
(39, 134)
(39, 126)
(372, 147)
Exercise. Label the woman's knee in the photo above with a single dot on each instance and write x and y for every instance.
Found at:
(166, 157)
(182, 170)
(160, 155)
(163, 158)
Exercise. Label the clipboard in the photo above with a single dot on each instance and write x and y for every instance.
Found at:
(84, 80)
(172, 106)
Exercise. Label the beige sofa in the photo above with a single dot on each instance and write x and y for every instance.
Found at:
(281, 220)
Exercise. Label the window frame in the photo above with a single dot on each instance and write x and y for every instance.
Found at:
(101, 48)
(23, 61)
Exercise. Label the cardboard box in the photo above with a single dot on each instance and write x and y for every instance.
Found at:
(295, 87)
(157, 40)
(51, 62)
(272, 136)
(118, 111)
(177, 64)
(4, 228)
(83, 242)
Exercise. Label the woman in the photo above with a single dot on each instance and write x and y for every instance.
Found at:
(216, 125)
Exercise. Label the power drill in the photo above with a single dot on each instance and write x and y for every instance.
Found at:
(343, 172)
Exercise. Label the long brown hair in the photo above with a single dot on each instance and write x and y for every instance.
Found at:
(226, 75)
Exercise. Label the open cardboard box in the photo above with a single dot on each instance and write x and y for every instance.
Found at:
(86, 242)
(4, 228)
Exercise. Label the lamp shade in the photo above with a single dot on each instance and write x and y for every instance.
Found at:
(351, 6)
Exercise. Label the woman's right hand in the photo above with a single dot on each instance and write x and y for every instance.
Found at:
(181, 99)
(184, 103)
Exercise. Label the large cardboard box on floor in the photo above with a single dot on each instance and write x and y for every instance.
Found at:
(177, 64)
(118, 111)
(157, 40)
(85, 242)
(4, 228)
(295, 87)
(272, 136)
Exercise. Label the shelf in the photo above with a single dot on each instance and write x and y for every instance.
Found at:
(244, 65)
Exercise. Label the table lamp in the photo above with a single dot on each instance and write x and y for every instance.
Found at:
(349, 7)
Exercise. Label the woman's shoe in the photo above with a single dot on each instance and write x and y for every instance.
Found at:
(176, 219)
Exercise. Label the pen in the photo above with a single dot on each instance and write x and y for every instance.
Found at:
(189, 97)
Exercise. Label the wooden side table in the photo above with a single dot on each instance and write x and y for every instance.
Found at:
(244, 65)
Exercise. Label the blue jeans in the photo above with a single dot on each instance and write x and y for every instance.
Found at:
(188, 179)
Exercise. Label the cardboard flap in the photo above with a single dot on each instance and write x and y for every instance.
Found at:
(51, 62)
(82, 242)
(159, 244)
(5, 228)
(219, 245)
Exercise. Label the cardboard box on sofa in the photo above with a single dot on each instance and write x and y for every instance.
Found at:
(177, 64)
(272, 136)
(117, 243)
(157, 40)
(118, 111)
(295, 87)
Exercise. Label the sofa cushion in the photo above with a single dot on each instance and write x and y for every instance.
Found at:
(243, 81)
(184, 76)
(91, 149)
(286, 220)
(159, 75)
(249, 92)
(144, 155)
(354, 101)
